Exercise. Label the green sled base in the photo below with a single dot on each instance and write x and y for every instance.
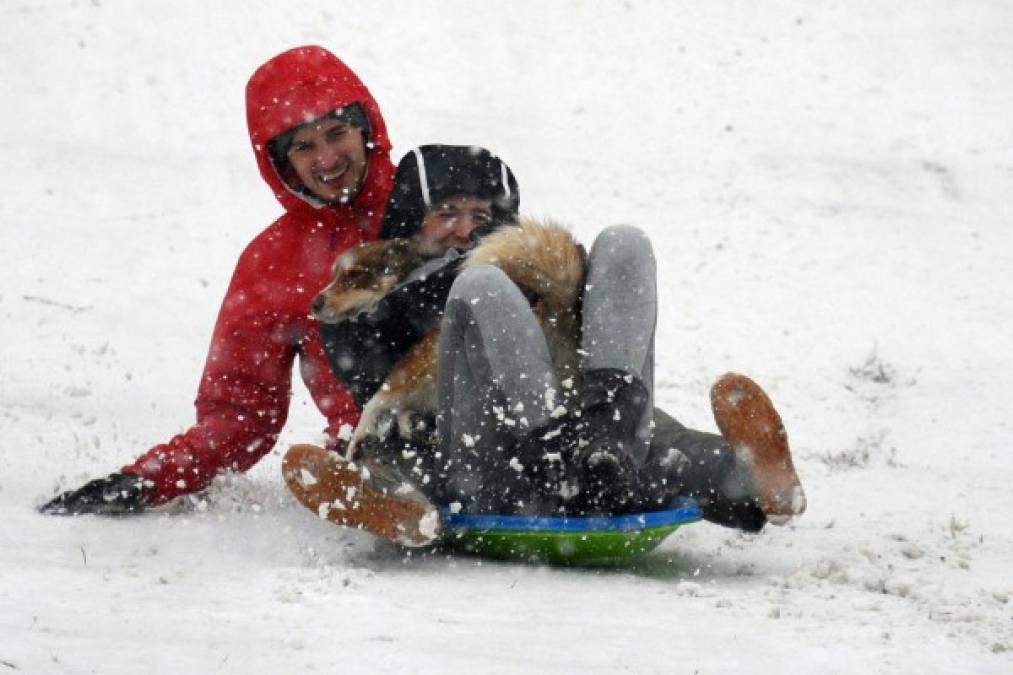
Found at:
(566, 540)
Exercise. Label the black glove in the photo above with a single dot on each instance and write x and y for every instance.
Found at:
(117, 494)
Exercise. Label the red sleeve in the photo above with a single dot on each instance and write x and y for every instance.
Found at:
(331, 396)
(244, 392)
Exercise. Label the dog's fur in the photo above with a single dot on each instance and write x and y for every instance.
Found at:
(541, 258)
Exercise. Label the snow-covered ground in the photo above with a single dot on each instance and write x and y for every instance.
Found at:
(829, 188)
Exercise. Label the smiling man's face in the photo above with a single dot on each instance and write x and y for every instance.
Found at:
(329, 156)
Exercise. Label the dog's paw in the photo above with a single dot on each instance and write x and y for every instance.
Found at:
(417, 427)
(375, 425)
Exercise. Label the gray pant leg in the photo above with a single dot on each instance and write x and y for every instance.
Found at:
(620, 312)
(495, 381)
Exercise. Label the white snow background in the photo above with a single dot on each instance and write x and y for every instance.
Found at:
(829, 189)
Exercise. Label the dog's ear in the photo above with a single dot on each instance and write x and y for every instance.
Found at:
(398, 246)
(345, 260)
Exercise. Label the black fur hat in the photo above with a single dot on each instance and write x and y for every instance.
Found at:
(430, 173)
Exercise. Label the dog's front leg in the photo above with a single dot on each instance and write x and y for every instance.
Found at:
(415, 411)
(412, 383)
(410, 388)
(370, 419)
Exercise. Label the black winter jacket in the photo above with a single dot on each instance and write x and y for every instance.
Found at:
(363, 351)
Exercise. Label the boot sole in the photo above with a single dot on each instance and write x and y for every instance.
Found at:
(750, 423)
(365, 496)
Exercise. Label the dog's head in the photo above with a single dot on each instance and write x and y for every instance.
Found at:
(362, 276)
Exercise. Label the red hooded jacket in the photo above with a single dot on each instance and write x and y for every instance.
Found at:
(264, 322)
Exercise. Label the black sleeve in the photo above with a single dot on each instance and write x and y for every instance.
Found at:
(711, 460)
(699, 446)
(362, 351)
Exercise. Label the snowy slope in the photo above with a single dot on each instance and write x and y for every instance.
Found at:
(829, 189)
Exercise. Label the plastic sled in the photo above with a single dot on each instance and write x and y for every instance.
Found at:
(566, 540)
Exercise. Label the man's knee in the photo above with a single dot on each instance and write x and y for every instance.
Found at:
(478, 282)
(485, 291)
(622, 245)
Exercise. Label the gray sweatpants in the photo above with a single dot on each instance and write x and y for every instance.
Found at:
(495, 377)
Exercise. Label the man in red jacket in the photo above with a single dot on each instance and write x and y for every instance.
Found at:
(322, 146)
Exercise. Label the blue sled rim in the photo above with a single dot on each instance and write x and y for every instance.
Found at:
(680, 511)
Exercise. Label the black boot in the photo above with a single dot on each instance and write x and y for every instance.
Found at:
(498, 487)
(607, 481)
(612, 403)
(663, 477)
(546, 453)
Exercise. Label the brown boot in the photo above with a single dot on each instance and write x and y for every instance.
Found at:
(748, 421)
(368, 495)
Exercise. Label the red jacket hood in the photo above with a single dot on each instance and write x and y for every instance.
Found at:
(302, 84)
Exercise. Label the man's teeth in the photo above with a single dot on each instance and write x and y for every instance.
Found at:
(327, 177)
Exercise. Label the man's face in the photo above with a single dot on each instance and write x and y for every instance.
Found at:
(329, 157)
(451, 222)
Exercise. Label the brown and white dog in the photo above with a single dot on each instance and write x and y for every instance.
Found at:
(541, 258)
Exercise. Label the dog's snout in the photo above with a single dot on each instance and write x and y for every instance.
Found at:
(317, 304)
